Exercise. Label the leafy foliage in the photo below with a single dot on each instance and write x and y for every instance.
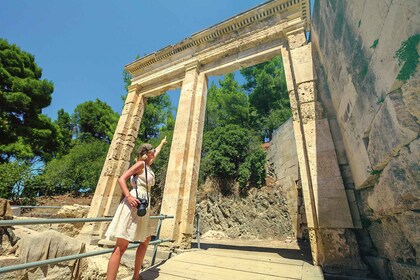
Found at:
(24, 132)
(268, 97)
(95, 119)
(158, 110)
(227, 104)
(408, 57)
(14, 176)
(225, 149)
(66, 128)
(76, 172)
(252, 171)
(237, 123)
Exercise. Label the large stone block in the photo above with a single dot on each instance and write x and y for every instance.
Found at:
(409, 223)
(392, 128)
(358, 159)
(403, 271)
(341, 252)
(302, 64)
(390, 241)
(338, 141)
(306, 92)
(380, 267)
(411, 95)
(402, 21)
(398, 188)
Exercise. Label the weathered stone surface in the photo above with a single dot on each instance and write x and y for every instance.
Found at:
(306, 92)
(394, 121)
(72, 211)
(405, 271)
(48, 245)
(409, 223)
(357, 41)
(390, 241)
(302, 64)
(263, 214)
(401, 22)
(341, 252)
(358, 160)
(380, 267)
(411, 95)
(398, 187)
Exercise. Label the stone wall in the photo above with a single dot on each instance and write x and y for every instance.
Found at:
(283, 169)
(372, 96)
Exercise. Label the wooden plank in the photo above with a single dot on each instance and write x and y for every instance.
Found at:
(240, 265)
(179, 269)
(258, 256)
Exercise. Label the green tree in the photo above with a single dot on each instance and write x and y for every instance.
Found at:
(14, 176)
(230, 152)
(227, 104)
(268, 97)
(158, 110)
(77, 172)
(24, 132)
(95, 119)
(66, 127)
(252, 171)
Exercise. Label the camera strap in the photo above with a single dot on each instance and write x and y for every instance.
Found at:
(147, 184)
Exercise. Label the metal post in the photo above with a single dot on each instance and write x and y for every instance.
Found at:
(69, 258)
(156, 245)
(198, 229)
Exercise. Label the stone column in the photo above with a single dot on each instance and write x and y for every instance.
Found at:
(179, 196)
(327, 208)
(108, 193)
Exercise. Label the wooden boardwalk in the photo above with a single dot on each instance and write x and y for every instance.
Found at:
(231, 262)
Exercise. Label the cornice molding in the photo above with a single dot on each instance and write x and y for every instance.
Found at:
(233, 24)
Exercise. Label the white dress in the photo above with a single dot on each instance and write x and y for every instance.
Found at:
(126, 224)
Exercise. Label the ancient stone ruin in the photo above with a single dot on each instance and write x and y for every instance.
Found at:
(354, 93)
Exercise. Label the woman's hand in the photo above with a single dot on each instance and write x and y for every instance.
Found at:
(163, 142)
(132, 201)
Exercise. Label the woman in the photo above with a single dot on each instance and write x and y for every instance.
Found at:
(126, 225)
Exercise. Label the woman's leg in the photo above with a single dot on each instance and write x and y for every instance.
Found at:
(140, 253)
(115, 259)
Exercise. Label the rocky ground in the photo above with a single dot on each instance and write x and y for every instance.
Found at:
(261, 219)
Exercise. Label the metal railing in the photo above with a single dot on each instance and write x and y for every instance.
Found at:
(39, 206)
(5, 223)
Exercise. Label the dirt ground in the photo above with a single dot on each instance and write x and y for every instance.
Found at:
(66, 199)
(58, 200)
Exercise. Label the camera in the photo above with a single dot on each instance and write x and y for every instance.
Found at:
(142, 207)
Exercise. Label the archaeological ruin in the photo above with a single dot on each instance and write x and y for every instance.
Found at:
(353, 80)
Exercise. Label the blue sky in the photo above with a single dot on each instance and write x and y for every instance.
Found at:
(83, 46)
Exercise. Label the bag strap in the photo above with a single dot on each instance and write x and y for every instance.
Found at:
(147, 184)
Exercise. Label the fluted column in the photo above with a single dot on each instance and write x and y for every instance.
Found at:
(179, 196)
(108, 193)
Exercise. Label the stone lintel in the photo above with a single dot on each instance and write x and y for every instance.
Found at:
(221, 59)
